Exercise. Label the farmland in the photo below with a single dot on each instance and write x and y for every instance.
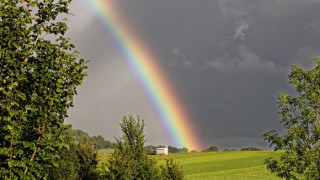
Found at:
(222, 165)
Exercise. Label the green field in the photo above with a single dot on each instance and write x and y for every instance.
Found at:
(219, 165)
(224, 165)
(104, 152)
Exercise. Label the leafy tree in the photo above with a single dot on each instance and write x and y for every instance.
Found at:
(78, 161)
(172, 149)
(251, 148)
(38, 79)
(151, 150)
(300, 118)
(183, 150)
(68, 165)
(171, 170)
(87, 158)
(211, 149)
(130, 160)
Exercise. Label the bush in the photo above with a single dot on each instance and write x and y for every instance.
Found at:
(211, 149)
(230, 150)
(171, 170)
(251, 148)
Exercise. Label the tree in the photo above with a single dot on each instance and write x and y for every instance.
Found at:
(38, 79)
(173, 149)
(68, 165)
(300, 118)
(211, 149)
(183, 150)
(78, 161)
(171, 170)
(229, 150)
(251, 148)
(130, 159)
(87, 159)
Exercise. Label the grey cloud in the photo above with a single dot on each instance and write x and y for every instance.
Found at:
(231, 8)
(304, 56)
(245, 61)
(241, 30)
(180, 58)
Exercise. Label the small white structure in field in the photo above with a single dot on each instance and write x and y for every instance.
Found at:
(162, 151)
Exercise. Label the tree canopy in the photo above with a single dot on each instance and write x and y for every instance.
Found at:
(301, 120)
(38, 79)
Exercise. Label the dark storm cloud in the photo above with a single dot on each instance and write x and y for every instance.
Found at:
(227, 59)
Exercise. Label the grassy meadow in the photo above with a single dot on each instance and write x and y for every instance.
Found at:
(221, 165)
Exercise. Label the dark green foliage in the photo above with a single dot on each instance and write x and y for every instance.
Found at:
(68, 165)
(171, 170)
(87, 158)
(172, 149)
(184, 150)
(230, 150)
(301, 120)
(38, 79)
(251, 148)
(151, 150)
(130, 160)
(211, 149)
(79, 161)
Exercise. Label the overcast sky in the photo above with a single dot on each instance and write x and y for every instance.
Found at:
(227, 59)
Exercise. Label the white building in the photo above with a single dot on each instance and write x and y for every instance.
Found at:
(162, 151)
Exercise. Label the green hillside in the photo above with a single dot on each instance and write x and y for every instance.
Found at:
(224, 165)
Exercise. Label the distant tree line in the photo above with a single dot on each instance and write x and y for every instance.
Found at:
(152, 150)
(215, 149)
(251, 148)
(211, 149)
(98, 141)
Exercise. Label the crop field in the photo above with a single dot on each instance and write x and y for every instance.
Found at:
(224, 165)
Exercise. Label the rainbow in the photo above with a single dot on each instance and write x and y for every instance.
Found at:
(144, 66)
